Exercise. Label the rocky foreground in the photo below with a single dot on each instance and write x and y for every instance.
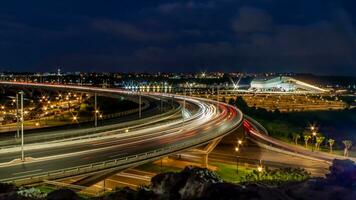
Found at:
(198, 183)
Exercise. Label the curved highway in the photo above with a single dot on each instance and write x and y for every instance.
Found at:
(260, 136)
(116, 149)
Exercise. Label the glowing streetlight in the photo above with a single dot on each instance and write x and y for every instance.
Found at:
(259, 168)
(237, 149)
(312, 128)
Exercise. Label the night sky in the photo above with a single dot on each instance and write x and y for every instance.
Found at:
(314, 36)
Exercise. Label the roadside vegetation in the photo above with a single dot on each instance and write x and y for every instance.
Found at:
(198, 183)
(294, 127)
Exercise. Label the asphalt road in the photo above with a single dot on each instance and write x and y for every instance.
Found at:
(258, 135)
(212, 119)
(61, 132)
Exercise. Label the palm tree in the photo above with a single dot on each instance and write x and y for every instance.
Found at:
(331, 144)
(348, 144)
(319, 140)
(306, 139)
(296, 138)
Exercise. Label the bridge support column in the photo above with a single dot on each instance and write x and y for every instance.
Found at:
(205, 161)
(204, 153)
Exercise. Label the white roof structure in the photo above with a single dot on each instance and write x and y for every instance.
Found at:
(284, 84)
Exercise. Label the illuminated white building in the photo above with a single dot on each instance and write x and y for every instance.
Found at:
(283, 84)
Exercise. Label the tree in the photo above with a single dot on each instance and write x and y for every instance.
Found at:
(231, 101)
(331, 144)
(241, 104)
(296, 137)
(223, 99)
(306, 139)
(319, 140)
(348, 144)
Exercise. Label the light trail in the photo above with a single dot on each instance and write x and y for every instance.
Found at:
(153, 140)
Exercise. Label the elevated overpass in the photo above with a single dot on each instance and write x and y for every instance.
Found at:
(120, 148)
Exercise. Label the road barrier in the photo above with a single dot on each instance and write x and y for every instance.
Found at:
(91, 133)
(124, 162)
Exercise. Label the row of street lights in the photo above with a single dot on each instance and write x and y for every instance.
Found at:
(237, 150)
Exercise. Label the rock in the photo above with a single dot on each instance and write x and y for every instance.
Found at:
(122, 194)
(342, 173)
(227, 191)
(189, 183)
(5, 188)
(63, 194)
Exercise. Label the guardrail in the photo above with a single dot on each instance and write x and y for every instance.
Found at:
(132, 160)
(256, 123)
(123, 162)
(89, 133)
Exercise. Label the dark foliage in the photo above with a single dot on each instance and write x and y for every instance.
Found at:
(63, 194)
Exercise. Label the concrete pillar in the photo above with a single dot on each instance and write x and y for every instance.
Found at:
(204, 163)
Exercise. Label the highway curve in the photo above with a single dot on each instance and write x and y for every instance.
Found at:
(119, 150)
(259, 135)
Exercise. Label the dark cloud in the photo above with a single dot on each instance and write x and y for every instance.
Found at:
(252, 19)
(185, 5)
(128, 31)
(187, 35)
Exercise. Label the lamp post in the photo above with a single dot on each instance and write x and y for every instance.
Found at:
(161, 97)
(237, 159)
(184, 93)
(237, 149)
(218, 93)
(260, 168)
(17, 117)
(139, 104)
(22, 135)
(313, 138)
(96, 110)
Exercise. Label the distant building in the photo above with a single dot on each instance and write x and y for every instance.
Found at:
(283, 84)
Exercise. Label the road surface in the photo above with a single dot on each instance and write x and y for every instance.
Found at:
(130, 148)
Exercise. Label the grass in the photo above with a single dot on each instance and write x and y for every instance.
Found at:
(46, 189)
(228, 172)
(154, 168)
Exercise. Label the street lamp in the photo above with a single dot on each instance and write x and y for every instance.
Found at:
(312, 128)
(139, 104)
(96, 111)
(237, 159)
(237, 149)
(260, 167)
(22, 122)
